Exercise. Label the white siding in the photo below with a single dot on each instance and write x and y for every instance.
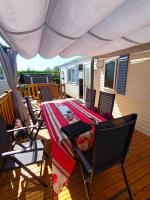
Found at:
(137, 96)
(72, 89)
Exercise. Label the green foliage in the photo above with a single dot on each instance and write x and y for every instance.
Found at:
(55, 72)
(56, 79)
(33, 72)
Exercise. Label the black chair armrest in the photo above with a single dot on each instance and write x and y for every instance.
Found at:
(82, 158)
(22, 128)
(27, 149)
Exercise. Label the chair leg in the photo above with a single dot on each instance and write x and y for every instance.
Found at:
(29, 171)
(37, 131)
(2, 167)
(86, 184)
(126, 181)
(39, 114)
(46, 157)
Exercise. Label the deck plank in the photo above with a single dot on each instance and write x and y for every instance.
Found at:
(16, 187)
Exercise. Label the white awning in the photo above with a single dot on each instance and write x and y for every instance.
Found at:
(74, 27)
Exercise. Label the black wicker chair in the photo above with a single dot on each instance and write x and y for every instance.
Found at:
(45, 93)
(106, 104)
(13, 156)
(111, 145)
(90, 98)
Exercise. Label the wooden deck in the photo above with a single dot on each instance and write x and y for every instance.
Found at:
(14, 186)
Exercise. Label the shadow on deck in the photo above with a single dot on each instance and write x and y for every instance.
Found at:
(15, 185)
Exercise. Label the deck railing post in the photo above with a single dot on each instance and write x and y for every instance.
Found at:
(6, 108)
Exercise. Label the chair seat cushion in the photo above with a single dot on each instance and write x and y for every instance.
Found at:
(35, 154)
(36, 144)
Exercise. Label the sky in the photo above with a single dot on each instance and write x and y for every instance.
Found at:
(38, 63)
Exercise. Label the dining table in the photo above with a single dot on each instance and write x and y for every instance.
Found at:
(60, 113)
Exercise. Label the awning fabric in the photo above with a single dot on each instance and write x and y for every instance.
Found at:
(74, 27)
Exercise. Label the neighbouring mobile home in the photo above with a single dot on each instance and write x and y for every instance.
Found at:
(77, 76)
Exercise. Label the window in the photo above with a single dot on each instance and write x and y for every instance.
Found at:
(116, 74)
(110, 67)
(69, 75)
(73, 74)
(1, 72)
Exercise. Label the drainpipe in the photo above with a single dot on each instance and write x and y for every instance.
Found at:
(92, 73)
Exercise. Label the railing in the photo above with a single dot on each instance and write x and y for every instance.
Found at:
(7, 111)
(57, 90)
(6, 108)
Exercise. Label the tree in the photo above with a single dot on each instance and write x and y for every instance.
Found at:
(48, 69)
(28, 69)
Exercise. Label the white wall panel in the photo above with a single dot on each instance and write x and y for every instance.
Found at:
(72, 90)
(137, 96)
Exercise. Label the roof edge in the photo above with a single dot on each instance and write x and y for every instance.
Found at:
(137, 48)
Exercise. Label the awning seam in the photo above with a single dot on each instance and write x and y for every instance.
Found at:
(98, 37)
(61, 34)
(129, 40)
(24, 32)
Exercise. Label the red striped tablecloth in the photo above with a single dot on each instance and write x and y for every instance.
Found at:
(61, 150)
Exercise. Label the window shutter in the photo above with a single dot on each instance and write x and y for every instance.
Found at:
(122, 74)
(76, 74)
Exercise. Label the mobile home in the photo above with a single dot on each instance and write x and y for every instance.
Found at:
(130, 81)
(77, 76)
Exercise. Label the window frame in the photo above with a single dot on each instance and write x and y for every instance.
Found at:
(115, 73)
(72, 68)
(68, 80)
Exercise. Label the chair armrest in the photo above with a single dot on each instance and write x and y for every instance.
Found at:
(16, 129)
(9, 153)
(28, 149)
(22, 128)
(82, 158)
